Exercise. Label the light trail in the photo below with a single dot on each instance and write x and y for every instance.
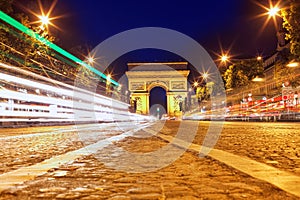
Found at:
(58, 49)
(84, 94)
(30, 100)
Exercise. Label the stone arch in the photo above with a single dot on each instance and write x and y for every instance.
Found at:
(157, 84)
(146, 76)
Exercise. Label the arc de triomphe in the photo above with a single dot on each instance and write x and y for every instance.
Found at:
(171, 76)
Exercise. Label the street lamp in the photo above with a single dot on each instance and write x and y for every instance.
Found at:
(273, 11)
(90, 60)
(265, 97)
(262, 79)
(205, 75)
(44, 19)
(293, 64)
(258, 79)
(126, 96)
(189, 99)
(224, 58)
(258, 58)
(108, 78)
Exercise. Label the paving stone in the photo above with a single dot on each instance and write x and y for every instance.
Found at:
(244, 186)
(240, 196)
(94, 197)
(60, 173)
(53, 189)
(272, 162)
(148, 196)
(45, 195)
(68, 196)
(126, 180)
(187, 197)
(143, 190)
(189, 177)
(119, 197)
(82, 190)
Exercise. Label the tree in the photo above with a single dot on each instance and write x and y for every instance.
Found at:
(201, 93)
(6, 6)
(291, 22)
(242, 72)
(283, 73)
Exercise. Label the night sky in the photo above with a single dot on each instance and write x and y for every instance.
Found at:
(230, 24)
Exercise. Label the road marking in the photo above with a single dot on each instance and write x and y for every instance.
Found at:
(23, 174)
(282, 179)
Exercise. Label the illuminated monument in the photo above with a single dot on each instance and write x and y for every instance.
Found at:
(171, 76)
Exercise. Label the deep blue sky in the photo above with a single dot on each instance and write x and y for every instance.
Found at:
(89, 22)
(211, 23)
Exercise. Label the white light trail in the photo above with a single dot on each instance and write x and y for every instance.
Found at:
(60, 105)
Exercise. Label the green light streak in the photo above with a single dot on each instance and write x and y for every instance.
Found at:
(36, 36)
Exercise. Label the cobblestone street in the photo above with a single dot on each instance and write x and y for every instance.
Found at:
(96, 176)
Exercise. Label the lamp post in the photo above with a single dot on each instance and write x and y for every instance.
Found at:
(119, 92)
(296, 100)
(197, 93)
(108, 84)
(189, 99)
(262, 80)
(126, 96)
(43, 28)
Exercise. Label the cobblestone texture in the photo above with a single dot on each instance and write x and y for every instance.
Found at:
(275, 144)
(189, 177)
(16, 152)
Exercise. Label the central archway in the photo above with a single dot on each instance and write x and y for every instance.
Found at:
(169, 76)
(157, 101)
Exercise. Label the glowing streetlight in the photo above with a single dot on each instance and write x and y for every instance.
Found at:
(205, 75)
(273, 11)
(108, 77)
(44, 19)
(259, 58)
(195, 84)
(91, 60)
(293, 64)
(224, 58)
(258, 79)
